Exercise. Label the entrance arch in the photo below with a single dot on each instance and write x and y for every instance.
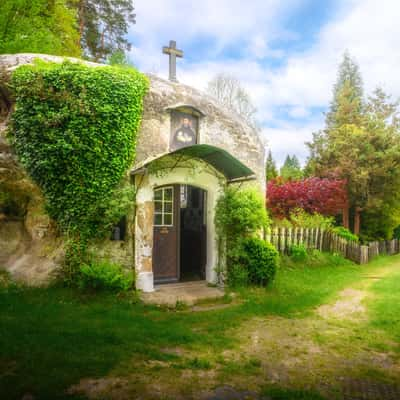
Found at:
(207, 169)
(180, 233)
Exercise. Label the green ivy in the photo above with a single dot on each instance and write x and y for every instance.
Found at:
(74, 129)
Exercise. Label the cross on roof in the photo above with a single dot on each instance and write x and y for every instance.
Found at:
(173, 52)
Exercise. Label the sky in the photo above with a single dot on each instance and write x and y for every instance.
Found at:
(284, 52)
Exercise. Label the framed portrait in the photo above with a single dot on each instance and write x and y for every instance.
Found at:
(184, 130)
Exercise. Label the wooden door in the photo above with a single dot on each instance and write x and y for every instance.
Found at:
(166, 234)
(204, 236)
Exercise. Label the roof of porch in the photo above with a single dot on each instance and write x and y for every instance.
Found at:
(220, 159)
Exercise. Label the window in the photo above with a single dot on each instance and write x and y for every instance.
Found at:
(164, 206)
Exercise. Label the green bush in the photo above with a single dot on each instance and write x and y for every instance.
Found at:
(301, 219)
(315, 259)
(238, 275)
(253, 261)
(240, 212)
(104, 276)
(344, 233)
(298, 252)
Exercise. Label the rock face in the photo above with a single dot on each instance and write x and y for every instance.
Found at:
(218, 126)
(29, 246)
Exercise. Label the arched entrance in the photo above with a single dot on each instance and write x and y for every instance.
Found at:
(179, 233)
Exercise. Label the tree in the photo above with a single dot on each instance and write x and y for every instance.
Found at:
(347, 104)
(229, 92)
(118, 58)
(346, 108)
(38, 26)
(103, 25)
(314, 195)
(270, 167)
(291, 168)
(361, 144)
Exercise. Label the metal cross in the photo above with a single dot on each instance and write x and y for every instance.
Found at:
(173, 52)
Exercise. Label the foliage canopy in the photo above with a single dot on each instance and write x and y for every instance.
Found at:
(291, 169)
(103, 25)
(271, 171)
(38, 26)
(313, 195)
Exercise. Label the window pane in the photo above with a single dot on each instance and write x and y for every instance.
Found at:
(167, 219)
(158, 206)
(158, 194)
(158, 219)
(168, 194)
(168, 207)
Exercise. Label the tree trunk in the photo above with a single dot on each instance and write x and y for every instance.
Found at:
(357, 218)
(345, 217)
(81, 16)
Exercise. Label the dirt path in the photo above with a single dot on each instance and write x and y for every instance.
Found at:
(330, 351)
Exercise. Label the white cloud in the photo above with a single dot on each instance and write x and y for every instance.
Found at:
(303, 80)
(225, 21)
(289, 138)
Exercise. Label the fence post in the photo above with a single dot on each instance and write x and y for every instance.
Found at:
(363, 254)
(268, 234)
(289, 239)
(295, 238)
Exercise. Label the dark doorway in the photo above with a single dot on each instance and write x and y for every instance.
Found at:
(180, 233)
(193, 251)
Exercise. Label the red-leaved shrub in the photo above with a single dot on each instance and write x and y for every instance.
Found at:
(313, 195)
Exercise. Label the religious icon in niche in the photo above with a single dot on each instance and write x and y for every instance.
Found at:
(184, 128)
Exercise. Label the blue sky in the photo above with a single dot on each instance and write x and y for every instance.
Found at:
(285, 53)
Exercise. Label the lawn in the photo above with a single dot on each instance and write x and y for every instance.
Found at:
(52, 338)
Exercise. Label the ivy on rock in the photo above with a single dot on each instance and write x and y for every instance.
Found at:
(74, 129)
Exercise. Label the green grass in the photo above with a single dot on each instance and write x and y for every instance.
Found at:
(384, 306)
(51, 338)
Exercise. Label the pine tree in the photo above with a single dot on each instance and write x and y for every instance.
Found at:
(270, 167)
(291, 168)
(347, 103)
(103, 25)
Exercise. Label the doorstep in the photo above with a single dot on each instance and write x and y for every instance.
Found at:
(189, 293)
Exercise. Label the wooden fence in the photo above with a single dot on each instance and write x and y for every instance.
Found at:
(325, 240)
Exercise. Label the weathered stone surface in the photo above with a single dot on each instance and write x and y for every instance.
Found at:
(144, 233)
(29, 248)
(118, 252)
(219, 126)
(188, 293)
(33, 262)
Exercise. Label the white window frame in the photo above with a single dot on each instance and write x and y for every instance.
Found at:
(163, 202)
